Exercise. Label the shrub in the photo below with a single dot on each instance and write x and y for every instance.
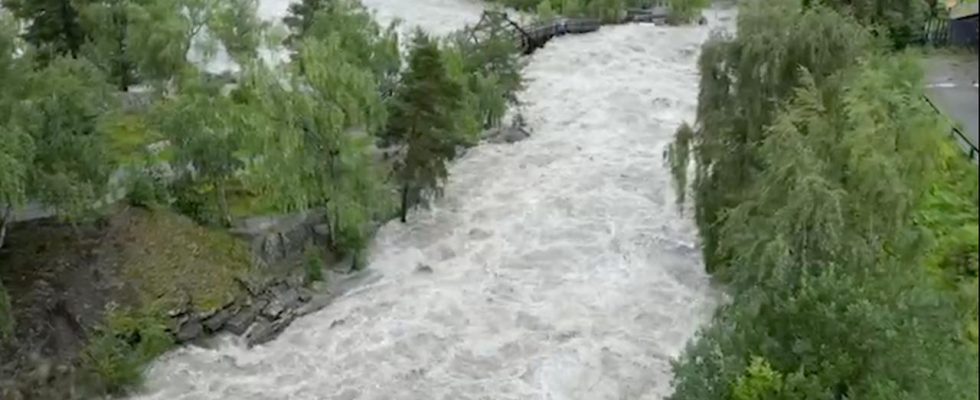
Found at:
(314, 265)
(115, 357)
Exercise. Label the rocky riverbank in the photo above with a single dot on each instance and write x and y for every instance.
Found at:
(75, 289)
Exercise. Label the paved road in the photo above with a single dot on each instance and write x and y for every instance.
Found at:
(951, 84)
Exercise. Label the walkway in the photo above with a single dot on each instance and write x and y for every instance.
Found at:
(951, 84)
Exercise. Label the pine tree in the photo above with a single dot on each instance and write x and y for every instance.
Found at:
(108, 24)
(54, 26)
(422, 119)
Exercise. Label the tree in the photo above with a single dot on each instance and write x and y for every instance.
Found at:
(742, 86)
(236, 24)
(164, 36)
(54, 26)
(63, 113)
(16, 147)
(571, 8)
(368, 44)
(821, 245)
(108, 24)
(299, 17)
(422, 119)
(16, 151)
(900, 21)
(544, 11)
(204, 129)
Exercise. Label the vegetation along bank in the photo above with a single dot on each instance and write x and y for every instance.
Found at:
(834, 206)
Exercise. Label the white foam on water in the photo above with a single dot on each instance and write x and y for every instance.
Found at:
(561, 266)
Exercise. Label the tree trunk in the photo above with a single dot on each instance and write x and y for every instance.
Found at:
(223, 203)
(4, 218)
(404, 202)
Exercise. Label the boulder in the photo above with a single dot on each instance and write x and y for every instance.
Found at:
(215, 322)
(242, 320)
(422, 268)
(266, 330)
(507, 135)
(189, 330)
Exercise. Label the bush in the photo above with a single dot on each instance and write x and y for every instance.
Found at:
(314, 265)
(685, 11)
(116, 356)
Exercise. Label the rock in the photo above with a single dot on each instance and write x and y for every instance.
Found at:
(266, 330)
(215, 322)
(422, 268)
(284, 297)
(479, 234)
(506, 135)
(249, 285)
(305, 295)
(241, 321)
(273, 309)
(321, 232)
(189, 330)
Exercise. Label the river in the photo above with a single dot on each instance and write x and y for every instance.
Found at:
(561, 268)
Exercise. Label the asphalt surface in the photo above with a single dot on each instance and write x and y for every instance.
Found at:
(951, 84)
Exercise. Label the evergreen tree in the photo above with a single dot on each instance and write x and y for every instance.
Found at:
(422, 119)
(108, 24)
(53, 27)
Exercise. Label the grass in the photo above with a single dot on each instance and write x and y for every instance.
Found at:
(950, 216)
(128, 137)
(167, 260)
(170, 258)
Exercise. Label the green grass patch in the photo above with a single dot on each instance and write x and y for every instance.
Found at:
(128, 137)
(950, 215)
(171, 259)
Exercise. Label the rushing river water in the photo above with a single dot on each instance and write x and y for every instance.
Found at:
(561, 266)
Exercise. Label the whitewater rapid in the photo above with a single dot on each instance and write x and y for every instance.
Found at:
(561, 266)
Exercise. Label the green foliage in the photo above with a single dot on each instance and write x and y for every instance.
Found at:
(114, 359)
(236, 24)
(759, 382)
(489, 71)
(685, 11)
(63, 117)
(314, 265)
(423, 120)
(53, 26)
(544, 10)
(357, 36)
(901, 21)
(107, 24)
(744, 81)
(299, 17)
(816, 191)
(205, 131)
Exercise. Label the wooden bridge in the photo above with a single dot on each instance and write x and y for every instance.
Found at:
(533, 37)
